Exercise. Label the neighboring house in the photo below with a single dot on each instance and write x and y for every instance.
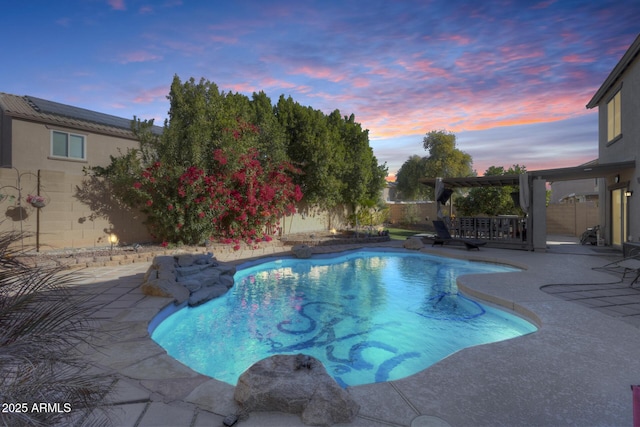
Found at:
(575, 191)
(389, 192)
(44, 147)
(619, 140)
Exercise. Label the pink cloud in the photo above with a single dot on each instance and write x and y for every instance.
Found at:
(577, 59)
(138, 56)
(458, 39)
(424, 67)
(360, 82)
(156, 94)
(117, 4)
(223, 39)
(316, 72)
(543, 4)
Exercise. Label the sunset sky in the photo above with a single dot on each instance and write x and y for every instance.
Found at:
(510, 78)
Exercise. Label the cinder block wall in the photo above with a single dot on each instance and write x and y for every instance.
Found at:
(571, 219)
(69, 219)
(400, 213)
(80, 213)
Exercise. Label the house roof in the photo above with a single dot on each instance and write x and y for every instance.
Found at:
(629, 56)
(43, 111)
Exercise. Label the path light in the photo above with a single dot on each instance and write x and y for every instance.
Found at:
(113, 239)
(333, 232)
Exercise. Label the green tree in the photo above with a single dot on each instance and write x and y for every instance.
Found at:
(272, 140)
(408, 179)
(363, 179)
(334, 154)
(444, 160)
(311, 146)
(491, 200)
(209, 130)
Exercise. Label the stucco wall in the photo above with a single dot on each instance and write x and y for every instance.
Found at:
(624, 149)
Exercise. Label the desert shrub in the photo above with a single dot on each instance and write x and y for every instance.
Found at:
(41, 324)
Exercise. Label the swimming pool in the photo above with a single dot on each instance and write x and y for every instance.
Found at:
(369, 316)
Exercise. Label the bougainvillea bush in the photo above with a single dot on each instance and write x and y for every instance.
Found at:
(241, 201)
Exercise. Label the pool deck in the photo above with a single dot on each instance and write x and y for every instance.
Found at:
(575, 371)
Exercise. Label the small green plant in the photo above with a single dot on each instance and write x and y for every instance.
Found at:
(410, 216)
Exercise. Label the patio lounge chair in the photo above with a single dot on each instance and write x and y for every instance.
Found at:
(445, 237)
(625, 266)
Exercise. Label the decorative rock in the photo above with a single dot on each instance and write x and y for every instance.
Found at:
(207, 278)
(189, 270)
(413, 243)
(227, 281)
(297, 385)
(205, 294)
(192, 285)
(196, 278)
(165, 288)
(185, 260)
(301, 251)
(164, 261)
(204, 259)
(225, 268)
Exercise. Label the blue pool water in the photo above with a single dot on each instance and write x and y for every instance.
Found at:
(368, 316)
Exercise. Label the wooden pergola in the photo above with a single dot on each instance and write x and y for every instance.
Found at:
(534, 195)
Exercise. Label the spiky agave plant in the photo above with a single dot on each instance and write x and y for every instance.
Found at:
(43, 379)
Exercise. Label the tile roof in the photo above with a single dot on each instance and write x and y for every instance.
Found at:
(44, 111)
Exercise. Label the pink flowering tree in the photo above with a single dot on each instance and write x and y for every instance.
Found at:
(240, 201)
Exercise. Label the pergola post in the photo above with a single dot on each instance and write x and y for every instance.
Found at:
(539, 214)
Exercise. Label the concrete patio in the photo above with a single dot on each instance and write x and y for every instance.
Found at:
(576, 370)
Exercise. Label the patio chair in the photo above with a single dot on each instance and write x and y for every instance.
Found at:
(445, 237)
(626, 266)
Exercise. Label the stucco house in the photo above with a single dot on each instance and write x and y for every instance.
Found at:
(618, 102)
(44, 147)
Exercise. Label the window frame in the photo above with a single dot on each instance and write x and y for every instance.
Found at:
(69, 136)
(614, 117)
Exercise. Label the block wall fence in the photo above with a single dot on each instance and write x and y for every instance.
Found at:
(78, 213)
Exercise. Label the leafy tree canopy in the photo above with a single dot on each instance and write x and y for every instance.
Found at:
(212, 135)
(491, 201)
(444, 160)
(408, 179)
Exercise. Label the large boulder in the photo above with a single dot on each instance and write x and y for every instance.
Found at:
(186, 277)
(165, 288)
(295, 384)
(413, 243)
(301, 251)
(203, 295)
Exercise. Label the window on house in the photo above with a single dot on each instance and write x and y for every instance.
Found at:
(614, 128)
(68, 145)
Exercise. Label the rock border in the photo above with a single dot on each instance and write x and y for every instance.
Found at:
(191, 278)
